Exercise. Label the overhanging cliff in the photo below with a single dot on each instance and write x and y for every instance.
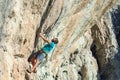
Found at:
(87, 30)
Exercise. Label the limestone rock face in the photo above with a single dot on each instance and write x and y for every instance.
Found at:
(88, 33)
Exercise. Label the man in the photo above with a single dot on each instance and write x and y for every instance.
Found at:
(40, 55)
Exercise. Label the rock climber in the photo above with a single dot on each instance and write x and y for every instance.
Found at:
(40, 55)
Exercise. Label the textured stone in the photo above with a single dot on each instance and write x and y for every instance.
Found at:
(87, 40)
(106, 44)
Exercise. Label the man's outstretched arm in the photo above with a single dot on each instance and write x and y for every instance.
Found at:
(46, 40)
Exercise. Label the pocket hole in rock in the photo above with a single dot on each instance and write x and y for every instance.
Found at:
(25, 40)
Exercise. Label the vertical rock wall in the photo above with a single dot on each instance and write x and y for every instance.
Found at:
(105, 45)
(19, 21)
(87, 42)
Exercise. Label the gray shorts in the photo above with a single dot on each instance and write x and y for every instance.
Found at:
(40, 55)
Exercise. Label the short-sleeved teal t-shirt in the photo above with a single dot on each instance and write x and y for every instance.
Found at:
(48, 47)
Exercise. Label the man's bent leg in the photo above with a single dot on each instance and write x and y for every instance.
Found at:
(36, 64)
(33, 61)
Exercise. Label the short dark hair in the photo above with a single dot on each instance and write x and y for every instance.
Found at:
(56, 40)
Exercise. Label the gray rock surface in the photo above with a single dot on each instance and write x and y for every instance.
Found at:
(88, 33)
